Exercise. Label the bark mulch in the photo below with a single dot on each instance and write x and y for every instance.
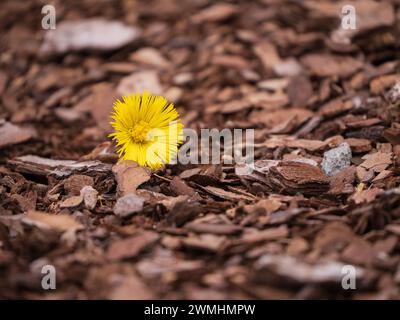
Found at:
(325, 106)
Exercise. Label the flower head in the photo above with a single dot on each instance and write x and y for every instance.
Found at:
(147, 129)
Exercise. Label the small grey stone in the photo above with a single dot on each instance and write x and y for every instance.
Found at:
(336, 159)
(128, 204)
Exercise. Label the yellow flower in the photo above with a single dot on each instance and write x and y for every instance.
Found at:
(147, 129)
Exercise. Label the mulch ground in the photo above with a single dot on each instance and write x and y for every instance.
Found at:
(284, 68)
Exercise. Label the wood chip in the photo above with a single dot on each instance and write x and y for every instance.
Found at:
(150, 56)
(131, 247)
(54, 222)
(99, 104)
(223, 194)
(76, 182)
(61, 168)
(222, 229)
(146, 80)
(205, 242)
(297, 271)
(129, 176)
(214, 13)
(11, 134)
(377, 161)
(293, 177)
(130, 288)
(128, 205)
(263, 207)
(71, 202)
(268, 55)
(367, 196)
(95, 34)
(265, 235)
(181, 188)
(359, 145)
(325, 65)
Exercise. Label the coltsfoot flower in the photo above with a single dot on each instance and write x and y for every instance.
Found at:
(147, 129)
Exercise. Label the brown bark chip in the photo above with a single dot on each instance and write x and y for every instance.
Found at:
(131, 247)
(11, 134)
(129, 176)
(293, 177)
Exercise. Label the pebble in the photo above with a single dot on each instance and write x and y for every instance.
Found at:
(336, 159)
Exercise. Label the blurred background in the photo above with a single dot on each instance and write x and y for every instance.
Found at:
(214, 60)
